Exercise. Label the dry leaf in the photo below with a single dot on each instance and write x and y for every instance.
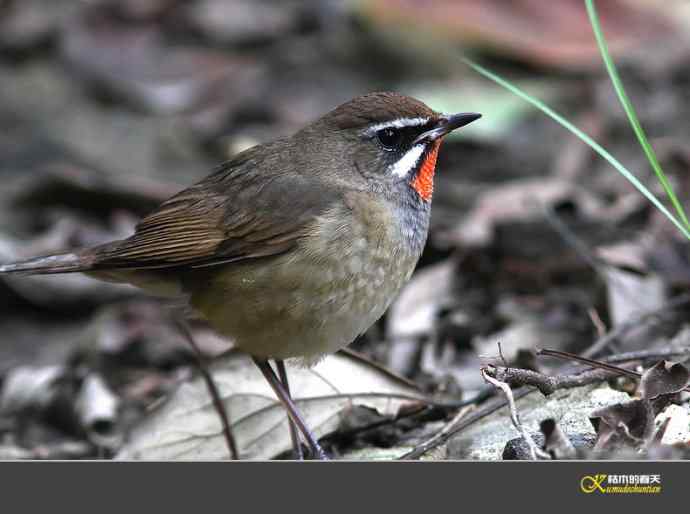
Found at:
(133, 63)
(664, 378)
(520, 200)
(630, 294)
(677, 421)
(413, 314)
(630, 423)
(186, 426)
(555, 33)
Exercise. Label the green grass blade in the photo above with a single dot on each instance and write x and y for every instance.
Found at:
(630, 110)
(584, 137)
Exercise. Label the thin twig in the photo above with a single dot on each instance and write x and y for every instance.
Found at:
(648, 355)
(487, 408)
(517, 377)
(589, 362)
(433, 441)
(548, 384)
(492, 405)
(218, 404)
(534, 450)
(500, 354)
(594, 364)
(597, 322)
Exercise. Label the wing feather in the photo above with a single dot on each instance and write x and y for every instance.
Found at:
(231, 215)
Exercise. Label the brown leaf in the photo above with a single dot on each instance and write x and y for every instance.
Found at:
(520, 200)
(187, 427)
(630, 294)
(244, 21)
(555, 33)
(132, 62)
(414, 312)
(629, 423)
(664, 378)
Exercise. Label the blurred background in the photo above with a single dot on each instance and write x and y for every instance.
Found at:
(107, 107)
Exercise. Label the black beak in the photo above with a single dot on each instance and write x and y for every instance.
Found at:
(446, 124)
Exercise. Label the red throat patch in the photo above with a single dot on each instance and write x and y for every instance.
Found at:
(423, 181)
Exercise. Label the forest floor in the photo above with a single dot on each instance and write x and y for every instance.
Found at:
(107, 108)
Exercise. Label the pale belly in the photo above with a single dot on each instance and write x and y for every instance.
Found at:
(275, 311)
(308, 302)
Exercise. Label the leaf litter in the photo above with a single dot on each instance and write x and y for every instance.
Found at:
(185, 426)
(533, 242)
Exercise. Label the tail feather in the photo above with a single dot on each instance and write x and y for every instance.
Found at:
(62, 263)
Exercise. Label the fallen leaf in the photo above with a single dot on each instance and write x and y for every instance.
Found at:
(26, 388)
(520, 200)
(630, 294)
(556, 33)
(133, 63)
(628, 424)
(664, 378)
(625, 254)
(414, 312)
(677, 421)
(244, 21)
(186, 426)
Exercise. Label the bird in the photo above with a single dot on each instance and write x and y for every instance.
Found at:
(292, 248)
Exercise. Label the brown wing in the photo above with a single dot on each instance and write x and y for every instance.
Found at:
(234, 214)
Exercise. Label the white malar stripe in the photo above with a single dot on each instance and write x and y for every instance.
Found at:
(407, 162)
(399, 123)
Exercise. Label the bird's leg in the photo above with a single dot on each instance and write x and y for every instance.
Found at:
(290, 407)
(294, 434)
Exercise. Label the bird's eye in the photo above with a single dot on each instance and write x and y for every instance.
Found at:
(389, 138)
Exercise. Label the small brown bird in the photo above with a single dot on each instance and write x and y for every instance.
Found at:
(293, 248)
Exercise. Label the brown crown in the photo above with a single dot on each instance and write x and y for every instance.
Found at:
(377, 108)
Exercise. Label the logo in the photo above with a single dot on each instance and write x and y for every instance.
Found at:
(620, 484)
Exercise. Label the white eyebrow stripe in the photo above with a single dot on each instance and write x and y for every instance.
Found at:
(407, 162)
(399, 123)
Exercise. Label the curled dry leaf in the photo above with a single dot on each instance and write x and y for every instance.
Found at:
(664, 378)
(186, 426)
(630, 423)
